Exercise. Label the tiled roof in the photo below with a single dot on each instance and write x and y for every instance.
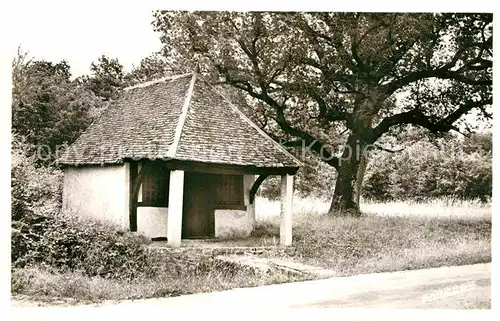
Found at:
(182, 118)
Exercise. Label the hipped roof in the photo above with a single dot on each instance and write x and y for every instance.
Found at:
(178, 118)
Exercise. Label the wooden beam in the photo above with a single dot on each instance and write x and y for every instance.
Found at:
(228, 168)
(133, 202)
(136, 178)
(255, 187)
(201, 167)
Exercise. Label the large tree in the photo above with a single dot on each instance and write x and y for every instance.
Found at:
(342, 80)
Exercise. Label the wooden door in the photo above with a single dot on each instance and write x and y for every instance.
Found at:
(198, 206)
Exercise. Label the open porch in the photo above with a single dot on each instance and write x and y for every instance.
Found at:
(175, 200)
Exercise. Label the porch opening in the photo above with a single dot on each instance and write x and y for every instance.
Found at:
(205, 193)
(203, 196)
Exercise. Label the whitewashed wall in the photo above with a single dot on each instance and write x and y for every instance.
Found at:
(152, 221)
(232, 224)
(101, 192)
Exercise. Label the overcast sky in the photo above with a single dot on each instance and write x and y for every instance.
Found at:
(82, 35)
(80, 32)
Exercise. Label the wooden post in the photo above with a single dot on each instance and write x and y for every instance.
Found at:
(247, 183)
(125, 220)
(286, 210)
(175, 201)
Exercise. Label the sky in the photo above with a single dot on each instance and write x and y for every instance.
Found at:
(82, 35)
(81, 32)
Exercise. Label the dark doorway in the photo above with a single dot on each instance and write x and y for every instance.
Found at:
(203, 194)
(198, 206)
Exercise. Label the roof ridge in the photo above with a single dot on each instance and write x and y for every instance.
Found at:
(251, 123)
(155, 81)
(182, 117)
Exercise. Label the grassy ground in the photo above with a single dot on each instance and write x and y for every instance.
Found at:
(390, 237)
(51, 287)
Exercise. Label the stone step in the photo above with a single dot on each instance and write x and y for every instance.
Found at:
(219, 250)
(301, 268)
(268, 265)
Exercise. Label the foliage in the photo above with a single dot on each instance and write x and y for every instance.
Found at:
(414, 236)
(40, 235)
(152, 67)
(480, 142)
(315, 179)
(68, 243)
(453, 168)
(341, 79)
(107, 78)
(422, 167)
(34, 189)
(48, 109)
(40, 283)
(348, 246)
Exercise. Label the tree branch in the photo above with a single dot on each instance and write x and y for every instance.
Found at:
(355, 44)
(280, 119)
(438, 73)
(416, 117)
(376, 146)
(316, 146)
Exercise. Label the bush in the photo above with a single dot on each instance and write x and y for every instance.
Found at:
(69, 243)
(36, 189)
(424, 170)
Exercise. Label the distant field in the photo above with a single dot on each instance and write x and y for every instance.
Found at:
(443, 207)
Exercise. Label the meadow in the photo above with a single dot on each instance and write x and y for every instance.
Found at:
(388, 237)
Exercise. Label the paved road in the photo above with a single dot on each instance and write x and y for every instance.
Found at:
(448, 287)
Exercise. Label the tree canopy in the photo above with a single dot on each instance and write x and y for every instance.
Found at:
(49, 109)
(152, 67)
(335, 82)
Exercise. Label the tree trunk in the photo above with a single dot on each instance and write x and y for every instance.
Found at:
(345, 201)
(361, 175)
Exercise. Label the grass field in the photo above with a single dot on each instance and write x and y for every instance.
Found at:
(390, 237)
(442, 207)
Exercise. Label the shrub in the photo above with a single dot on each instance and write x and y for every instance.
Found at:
(425, 170)
(37, 189)
(70, 243)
